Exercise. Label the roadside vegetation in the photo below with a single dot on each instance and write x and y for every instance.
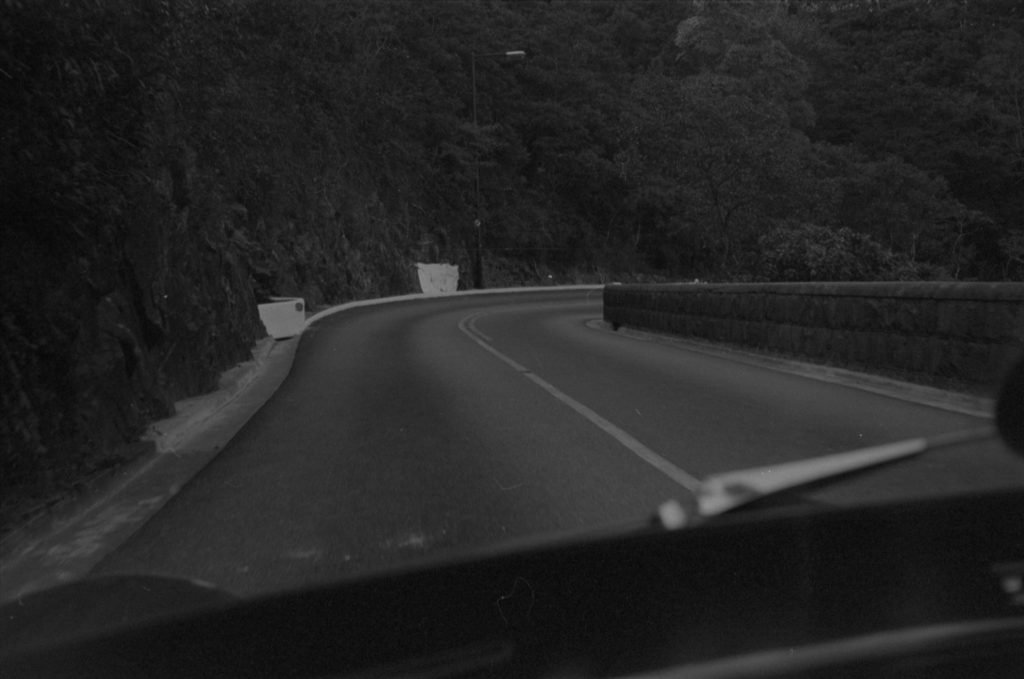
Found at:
(166, 164)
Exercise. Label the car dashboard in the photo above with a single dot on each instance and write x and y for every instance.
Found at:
(921, 589)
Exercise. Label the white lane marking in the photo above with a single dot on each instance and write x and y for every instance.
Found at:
(468, 326)
(477, 331)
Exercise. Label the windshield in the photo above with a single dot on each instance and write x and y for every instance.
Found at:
(300, 291)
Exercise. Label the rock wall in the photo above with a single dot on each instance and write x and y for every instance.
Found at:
(969, 332)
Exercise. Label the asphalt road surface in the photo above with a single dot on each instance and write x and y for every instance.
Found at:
(427, 427)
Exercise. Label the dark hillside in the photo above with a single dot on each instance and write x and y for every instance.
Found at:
(166, 164)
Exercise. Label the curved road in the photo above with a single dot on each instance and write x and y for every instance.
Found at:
(429, 426)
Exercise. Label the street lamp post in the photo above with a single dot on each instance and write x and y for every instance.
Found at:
(511, 55)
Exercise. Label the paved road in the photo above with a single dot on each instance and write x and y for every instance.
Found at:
(430, 426)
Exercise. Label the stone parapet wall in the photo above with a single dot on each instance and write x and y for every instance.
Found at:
(970, 332)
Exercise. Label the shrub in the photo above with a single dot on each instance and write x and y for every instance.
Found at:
(807, 252)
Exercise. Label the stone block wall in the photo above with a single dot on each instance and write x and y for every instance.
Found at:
(968, 332)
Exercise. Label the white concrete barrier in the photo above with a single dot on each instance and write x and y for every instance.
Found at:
(438, 278)
(284, 316)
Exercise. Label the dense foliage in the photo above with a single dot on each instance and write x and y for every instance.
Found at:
(166, 163)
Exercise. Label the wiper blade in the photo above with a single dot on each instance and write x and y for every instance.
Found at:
(721, 493)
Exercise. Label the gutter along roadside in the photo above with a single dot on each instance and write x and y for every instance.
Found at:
(66, 541)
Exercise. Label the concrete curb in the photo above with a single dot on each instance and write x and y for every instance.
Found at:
(460, 293)
(193, 412)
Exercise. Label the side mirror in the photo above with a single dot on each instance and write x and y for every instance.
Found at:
(1010, 408)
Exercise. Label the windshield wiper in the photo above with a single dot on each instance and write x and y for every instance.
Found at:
(721, 493)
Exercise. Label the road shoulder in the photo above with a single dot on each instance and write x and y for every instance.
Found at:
(64, 544)
(952, 401)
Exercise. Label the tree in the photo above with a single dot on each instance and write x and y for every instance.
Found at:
(806, 252)
(724, 137)
(937, 85)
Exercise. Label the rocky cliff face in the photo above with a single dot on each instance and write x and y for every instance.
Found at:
(106, 324)
(104, 328)
(159, 176)
(111, 315)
